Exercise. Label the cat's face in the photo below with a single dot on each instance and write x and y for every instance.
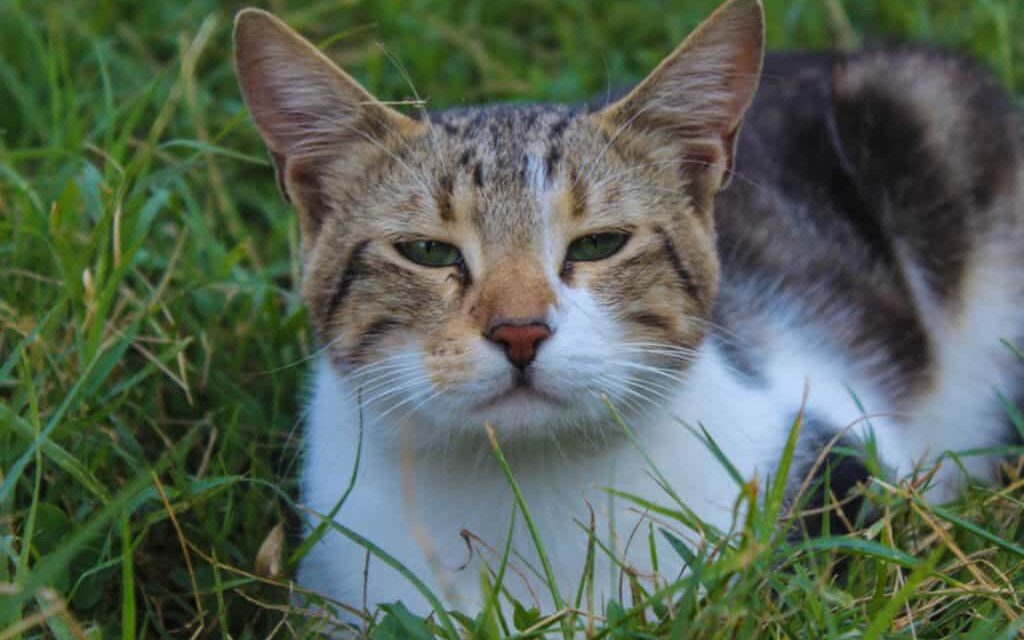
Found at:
(511, 265)
(559, 273)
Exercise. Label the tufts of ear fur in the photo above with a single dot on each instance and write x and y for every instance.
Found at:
(308, 111)
(695, 99)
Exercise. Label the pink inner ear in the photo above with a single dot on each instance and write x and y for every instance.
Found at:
(707, 165)
(747, 72)
(702, 157)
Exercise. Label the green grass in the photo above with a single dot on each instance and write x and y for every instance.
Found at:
(152, 343)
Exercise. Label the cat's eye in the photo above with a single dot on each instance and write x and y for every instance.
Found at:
(596, 246)
(430, 253)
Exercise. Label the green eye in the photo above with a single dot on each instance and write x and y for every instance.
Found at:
(596, 246)
(430, 253)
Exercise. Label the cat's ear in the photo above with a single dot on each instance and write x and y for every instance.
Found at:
(696, 97)
(310, 113)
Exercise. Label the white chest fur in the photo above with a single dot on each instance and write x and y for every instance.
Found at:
(427, 507)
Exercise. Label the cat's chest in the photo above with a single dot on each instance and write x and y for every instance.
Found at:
(747, 417)
(435, 510)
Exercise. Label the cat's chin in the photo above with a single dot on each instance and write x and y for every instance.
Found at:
(519, 396)
(518, 415)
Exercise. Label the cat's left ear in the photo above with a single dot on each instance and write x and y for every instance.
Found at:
(312, 115)
(695, 99)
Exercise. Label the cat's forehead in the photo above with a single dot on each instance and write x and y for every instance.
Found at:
(506, 130)
(507, 144)
(494, 166)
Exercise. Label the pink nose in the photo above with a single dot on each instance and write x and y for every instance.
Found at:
(520, 340)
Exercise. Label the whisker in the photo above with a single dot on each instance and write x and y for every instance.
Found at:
(663, 387)
(313, 355)
(389, 359)
(409, 400)
(387, 387)
(395, 387)
(628, 388)
(373, 374)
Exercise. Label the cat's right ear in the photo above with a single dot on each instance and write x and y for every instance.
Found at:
(695, 99)
(311, 114)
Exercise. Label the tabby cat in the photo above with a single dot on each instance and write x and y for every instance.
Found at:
(549, 270)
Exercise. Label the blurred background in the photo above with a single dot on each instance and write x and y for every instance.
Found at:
(152, 348)
(469, 51)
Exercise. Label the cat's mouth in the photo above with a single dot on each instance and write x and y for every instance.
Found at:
(522, 390)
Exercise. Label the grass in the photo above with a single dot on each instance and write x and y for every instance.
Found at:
(152, 344)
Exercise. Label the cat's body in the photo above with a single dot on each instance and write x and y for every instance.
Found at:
(862, 266)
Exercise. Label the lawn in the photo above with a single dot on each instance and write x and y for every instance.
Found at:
(153, 349)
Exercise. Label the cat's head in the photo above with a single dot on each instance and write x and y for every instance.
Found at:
(507, 264)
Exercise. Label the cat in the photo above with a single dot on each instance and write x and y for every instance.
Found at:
(851, 255)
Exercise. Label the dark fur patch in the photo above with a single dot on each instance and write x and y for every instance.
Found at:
(832, 485)
(524, 168)
(559, 126)
(907, 184)
(577, 195)
(554, 154)
(551, 161)
(685, 277)
(848, 188)
(370, 337)
(892, 326)
(443, 195)
(994, 114)
(352, 270)
(652, 320)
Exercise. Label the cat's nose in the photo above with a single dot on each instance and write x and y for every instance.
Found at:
(520, 340)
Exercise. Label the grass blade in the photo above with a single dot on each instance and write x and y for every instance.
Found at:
(538, 544)
(865, 548)
(391, 561)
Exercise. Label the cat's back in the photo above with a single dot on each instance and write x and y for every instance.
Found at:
(877, 212)
(879, 161)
